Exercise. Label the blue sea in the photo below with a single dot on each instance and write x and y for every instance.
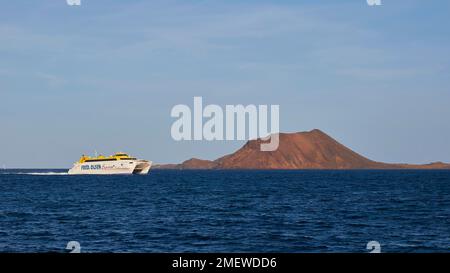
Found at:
(226, 211)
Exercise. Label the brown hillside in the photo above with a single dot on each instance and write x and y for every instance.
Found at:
(303, 150)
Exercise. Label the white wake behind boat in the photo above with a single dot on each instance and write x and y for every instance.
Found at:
(118, 163)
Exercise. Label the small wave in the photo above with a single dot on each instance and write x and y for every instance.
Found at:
(43, 173)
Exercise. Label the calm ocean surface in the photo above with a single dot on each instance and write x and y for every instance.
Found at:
(226, 211)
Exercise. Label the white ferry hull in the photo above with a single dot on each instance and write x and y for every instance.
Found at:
(112, 167)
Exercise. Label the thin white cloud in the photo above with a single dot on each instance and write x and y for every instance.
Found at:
(50, 79)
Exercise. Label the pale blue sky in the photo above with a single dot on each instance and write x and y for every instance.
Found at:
(104, 76)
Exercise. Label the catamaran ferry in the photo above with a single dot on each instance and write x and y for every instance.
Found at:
(118, 163)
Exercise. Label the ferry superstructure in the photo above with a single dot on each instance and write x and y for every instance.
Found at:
(119, 163)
